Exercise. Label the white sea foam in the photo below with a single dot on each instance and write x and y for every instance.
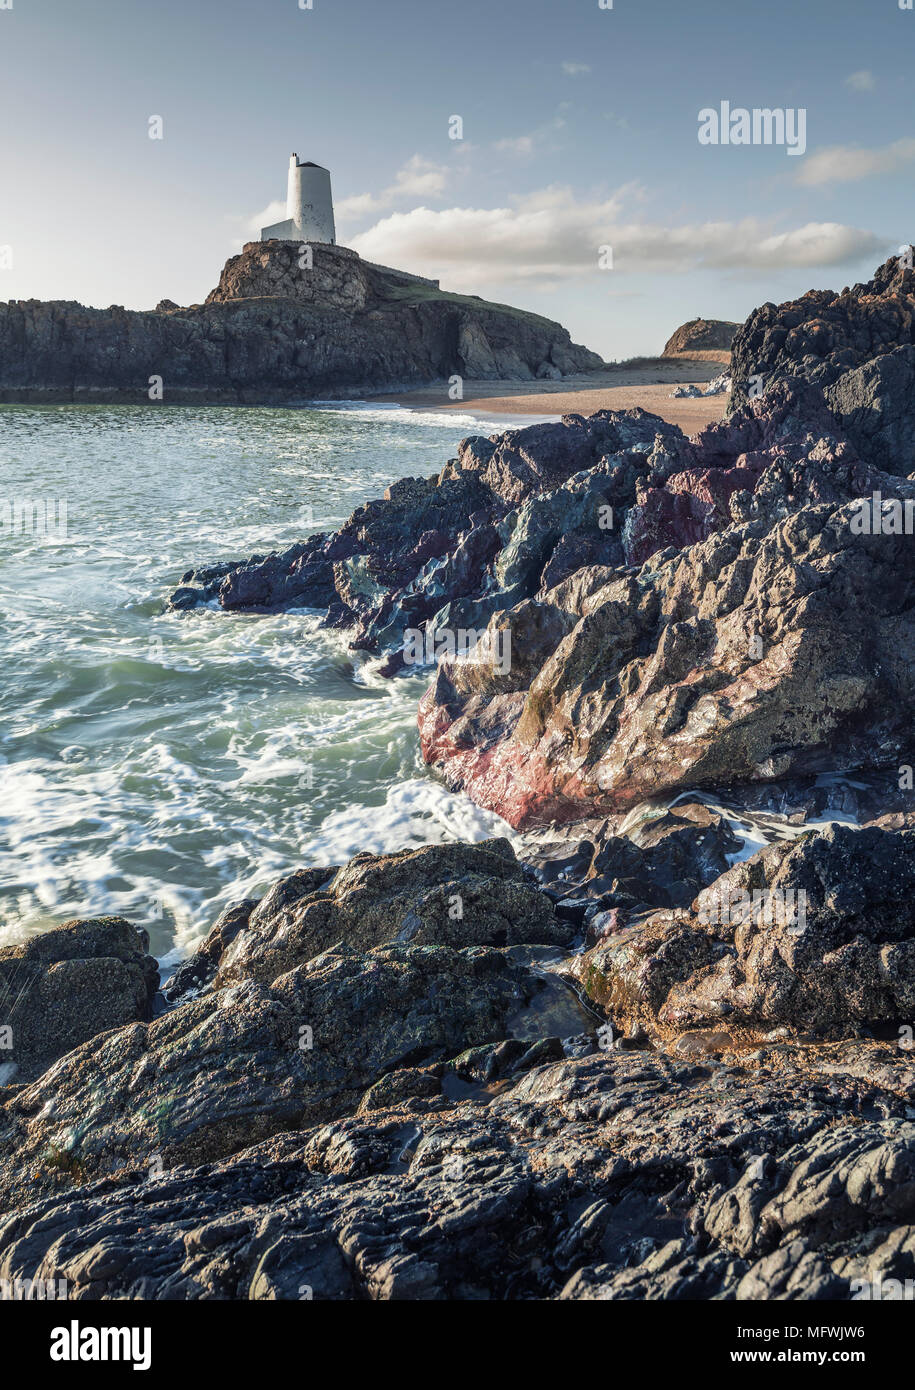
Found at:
(157, 765)
(463, 421)
(417, 812)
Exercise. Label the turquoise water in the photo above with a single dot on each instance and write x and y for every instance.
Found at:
(161, 766)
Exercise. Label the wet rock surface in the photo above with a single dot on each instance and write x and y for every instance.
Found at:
(243, 1062)
(815, 935)
(293, 1007)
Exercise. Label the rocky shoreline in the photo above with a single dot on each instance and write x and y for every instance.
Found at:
(629, 1058)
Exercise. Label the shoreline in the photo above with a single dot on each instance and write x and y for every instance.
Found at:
(648, 386)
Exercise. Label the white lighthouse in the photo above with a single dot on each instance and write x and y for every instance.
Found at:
(309, 206)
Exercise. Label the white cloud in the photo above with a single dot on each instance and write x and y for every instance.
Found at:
(519, 144)
(544, 138)
(846, 163)
(550, 237)
(274, 212)
(418, 178)
(575, 69)
(861, 81)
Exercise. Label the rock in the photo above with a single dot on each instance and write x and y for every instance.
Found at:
(670, 855)
(700, 335)
(823, 334)
(67, 986)
(539, 458)
(815, 934)
(439, 895)
(237, 1065)
(623, 1175)
(720, 386)
(199, 970)
(873, 404)
(360, 573)
(274, 332)
(731, 661)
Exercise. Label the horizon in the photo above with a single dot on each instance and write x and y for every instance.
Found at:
(559, 160)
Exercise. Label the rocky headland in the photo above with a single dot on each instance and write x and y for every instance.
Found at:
(659, 1046)
(276, 331)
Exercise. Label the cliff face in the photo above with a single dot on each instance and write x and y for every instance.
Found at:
(275, 333)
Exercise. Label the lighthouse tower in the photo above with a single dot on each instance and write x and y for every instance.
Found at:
(309, 206)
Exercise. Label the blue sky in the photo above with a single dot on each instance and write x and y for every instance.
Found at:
(580, 130)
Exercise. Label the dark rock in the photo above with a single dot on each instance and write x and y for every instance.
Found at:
(276, 333)
(623, 1176)
(823, 334)
(68, 985)
(239, 1064)
(815, 934)
(873, 404)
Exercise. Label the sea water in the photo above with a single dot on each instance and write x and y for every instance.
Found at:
(160, 766)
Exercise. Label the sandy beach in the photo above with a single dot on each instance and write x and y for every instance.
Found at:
(647, 384)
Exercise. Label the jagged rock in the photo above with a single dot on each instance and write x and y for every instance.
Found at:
(358, 572)
(823, 334)
(623, 1175)
(68, 985)
(537, 458)
(873, 404)
(729, 662)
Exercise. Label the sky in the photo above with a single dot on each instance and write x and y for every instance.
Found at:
(580, 129)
